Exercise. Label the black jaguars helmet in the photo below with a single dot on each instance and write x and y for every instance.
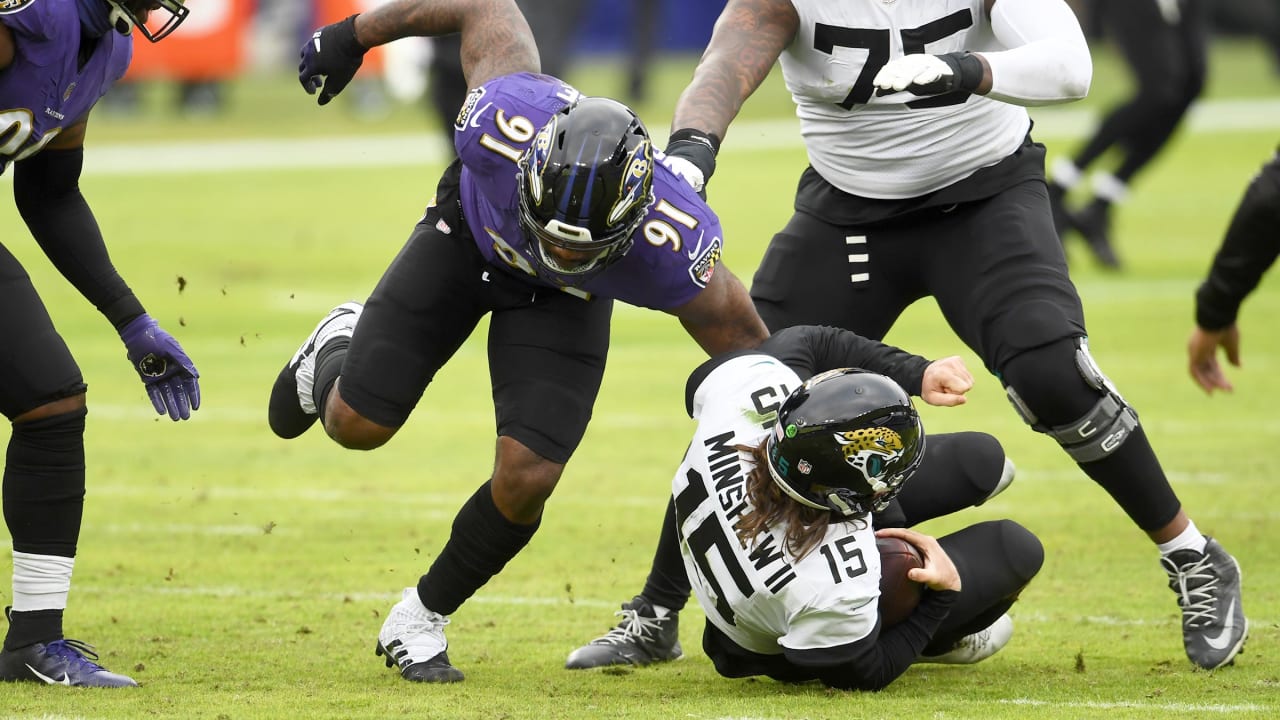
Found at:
(845, 441)
(127, 14)
(585, 185)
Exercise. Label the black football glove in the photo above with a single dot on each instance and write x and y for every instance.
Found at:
(692, 155)
(330, 59)
(930, 74)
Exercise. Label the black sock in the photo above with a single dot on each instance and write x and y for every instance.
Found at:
(668, 583)
(44, 484)
(481, 544)
(329, 359)
(29, 628)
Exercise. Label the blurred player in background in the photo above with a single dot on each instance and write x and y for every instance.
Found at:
(557, 206)
(1248, 250)
(771, 510)
(924, 181)
(57, 58)
(1165, 43)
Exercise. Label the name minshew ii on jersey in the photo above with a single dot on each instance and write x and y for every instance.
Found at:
(777, 601)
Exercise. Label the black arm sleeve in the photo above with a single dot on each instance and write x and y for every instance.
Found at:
(47, 193)
(1250, 247)
(879, 659)
(810, 349)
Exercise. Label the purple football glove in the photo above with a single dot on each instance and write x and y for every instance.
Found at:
(330, 59)
(166, 371)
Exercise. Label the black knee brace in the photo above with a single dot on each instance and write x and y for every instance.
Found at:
(44, 484)
(1059, 391)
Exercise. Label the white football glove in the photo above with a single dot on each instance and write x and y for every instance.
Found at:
(687, 171)
(922, 74)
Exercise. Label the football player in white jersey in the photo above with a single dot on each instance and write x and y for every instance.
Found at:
(923, 180)
(773, 505)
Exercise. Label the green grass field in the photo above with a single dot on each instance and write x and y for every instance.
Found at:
(236, 575)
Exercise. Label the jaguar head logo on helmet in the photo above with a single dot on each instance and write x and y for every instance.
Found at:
(845, 442)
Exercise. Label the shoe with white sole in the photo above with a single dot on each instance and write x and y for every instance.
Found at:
(292, 408)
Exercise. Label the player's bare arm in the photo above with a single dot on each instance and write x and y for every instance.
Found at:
(722, 318)
(496, 39)
(746, 42)
(6, 46)
(70, 138)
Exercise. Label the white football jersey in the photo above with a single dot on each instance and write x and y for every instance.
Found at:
(897, 145)
(761, 596)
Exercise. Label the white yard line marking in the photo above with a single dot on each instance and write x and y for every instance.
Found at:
(1152, 707)
(215, 156)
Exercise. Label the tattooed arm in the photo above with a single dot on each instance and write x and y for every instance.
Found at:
(747, 40)
(496, 39)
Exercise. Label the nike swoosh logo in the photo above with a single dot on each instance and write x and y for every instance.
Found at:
(1224, 638)
(694, 254)
(475, 117)
(66, 679)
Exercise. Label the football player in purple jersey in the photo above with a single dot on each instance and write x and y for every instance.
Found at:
(557, 205)
(924, 181)
(57, 58)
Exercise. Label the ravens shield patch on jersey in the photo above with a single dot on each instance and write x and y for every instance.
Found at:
(468, 106)
(705, 264)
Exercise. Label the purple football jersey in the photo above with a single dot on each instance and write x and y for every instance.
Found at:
(45, 90)
(676, 247)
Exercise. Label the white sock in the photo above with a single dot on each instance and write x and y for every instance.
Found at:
(41, 582)
(1065, 173)
(1109, 187)
(1188, 539)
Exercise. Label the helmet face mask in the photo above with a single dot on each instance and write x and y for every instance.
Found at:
(585, 185)
(845, 442)
(125, 15)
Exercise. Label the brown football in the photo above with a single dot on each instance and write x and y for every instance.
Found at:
(898, 595)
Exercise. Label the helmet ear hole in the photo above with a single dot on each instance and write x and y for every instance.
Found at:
(845, 441)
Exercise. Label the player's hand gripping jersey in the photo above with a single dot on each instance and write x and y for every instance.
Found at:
(676, 246)
(812, 609)
(45, 89)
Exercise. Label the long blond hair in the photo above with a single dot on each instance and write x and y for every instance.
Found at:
(771, 507)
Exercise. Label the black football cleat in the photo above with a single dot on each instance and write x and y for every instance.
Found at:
(61, 662)
(1093, 222)
(1214, 627)
(642, 637)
